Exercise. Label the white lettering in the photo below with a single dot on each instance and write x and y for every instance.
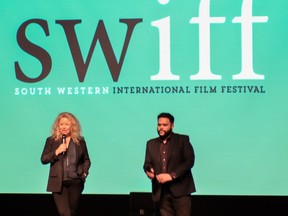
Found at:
(204, 20)
(247, 20)
(164, 48)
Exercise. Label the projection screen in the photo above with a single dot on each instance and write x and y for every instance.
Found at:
(220, 67)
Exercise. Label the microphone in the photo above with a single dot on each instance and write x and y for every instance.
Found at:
(64, 141)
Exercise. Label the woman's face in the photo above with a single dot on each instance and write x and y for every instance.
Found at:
(65, 126)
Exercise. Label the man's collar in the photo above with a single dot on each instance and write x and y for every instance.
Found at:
(167, 138)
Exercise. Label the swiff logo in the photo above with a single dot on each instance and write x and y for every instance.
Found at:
(246, 20)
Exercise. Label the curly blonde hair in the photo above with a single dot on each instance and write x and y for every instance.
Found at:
(75, 127)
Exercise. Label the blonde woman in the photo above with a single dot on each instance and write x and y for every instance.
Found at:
(66, 152)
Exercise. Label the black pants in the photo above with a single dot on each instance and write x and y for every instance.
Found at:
(67, 201)
(172, 206)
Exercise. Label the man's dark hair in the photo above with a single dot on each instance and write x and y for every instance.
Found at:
(166, 115)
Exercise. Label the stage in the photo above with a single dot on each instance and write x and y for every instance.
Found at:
(121, 205)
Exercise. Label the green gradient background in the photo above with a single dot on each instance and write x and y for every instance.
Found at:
(240, 140)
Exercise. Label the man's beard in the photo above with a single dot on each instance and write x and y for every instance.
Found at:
(166, 134)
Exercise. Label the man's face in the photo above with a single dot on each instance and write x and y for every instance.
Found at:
(164, 127)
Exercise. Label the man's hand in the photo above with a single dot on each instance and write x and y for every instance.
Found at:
(150, 173)
(163, 178)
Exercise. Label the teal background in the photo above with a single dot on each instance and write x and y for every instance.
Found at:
(240, 139)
